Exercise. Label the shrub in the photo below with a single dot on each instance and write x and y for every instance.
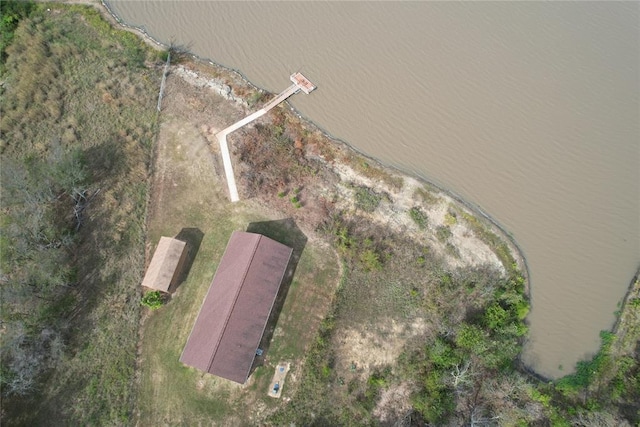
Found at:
(435, 402)
(153, 300)
(443, 233)
(375, 383)
(295, 202)
(419, 217)
(255, 98)
(450, 218)
(522, 309)
(371, 260)
(471, 338)
(367, 199)
(496, 317)
(442, 354)
(345, 240)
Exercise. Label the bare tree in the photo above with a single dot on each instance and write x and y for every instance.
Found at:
(479, 417)
(461, 376)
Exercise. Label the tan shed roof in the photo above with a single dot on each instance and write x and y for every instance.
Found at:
(164, 264)
(235, 311)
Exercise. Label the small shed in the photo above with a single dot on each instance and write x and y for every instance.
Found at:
(235, 311)
(166, 265)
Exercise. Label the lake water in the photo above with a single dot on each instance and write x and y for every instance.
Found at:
(528, 110)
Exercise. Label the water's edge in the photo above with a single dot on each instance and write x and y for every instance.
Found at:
(504, 234)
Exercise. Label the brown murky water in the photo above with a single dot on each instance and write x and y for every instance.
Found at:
(529, 110)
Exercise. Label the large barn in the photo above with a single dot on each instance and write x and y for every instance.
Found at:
(234, 314)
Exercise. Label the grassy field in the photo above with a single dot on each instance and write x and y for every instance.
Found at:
(77, 120)
(190, 200)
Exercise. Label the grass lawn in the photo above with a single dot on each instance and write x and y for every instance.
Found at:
(190, 199)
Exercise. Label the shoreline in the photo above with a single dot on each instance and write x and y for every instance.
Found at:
(220, 85)
(504, 234)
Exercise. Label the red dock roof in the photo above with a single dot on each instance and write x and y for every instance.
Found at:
(302, 82)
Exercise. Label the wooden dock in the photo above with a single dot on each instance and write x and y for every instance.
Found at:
(294, 88)
(300, 83)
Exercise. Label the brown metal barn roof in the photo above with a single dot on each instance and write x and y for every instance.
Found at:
(165, 264)
(235, 311)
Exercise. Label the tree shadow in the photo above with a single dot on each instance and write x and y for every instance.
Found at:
(105, 160)
(193, 238)
(286, 232)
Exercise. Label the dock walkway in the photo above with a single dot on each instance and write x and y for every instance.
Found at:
(299, 83)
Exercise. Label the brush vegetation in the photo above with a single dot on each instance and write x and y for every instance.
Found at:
(77, 121)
